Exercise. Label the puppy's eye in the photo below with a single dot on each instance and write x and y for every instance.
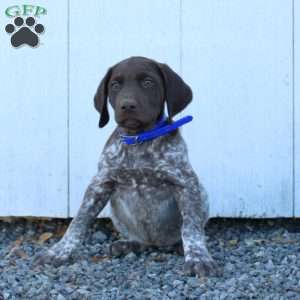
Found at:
(115, 86)
(147, 83)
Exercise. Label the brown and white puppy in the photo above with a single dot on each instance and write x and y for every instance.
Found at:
(154, 194)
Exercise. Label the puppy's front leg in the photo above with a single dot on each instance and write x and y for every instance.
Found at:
(95, 198)
(193, 205)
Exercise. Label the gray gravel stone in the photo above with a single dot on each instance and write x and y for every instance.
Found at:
(261, 260)
(130, 256)
(99, 237)
(60, 297)
(270, 265)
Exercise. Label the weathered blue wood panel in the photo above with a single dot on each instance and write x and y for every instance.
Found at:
(297, 104)
(238, 58)
(33, 118)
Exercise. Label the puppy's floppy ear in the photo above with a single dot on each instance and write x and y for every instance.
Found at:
(177, 93)
(100, 99)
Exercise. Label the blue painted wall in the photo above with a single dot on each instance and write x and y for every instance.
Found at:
(241, 59)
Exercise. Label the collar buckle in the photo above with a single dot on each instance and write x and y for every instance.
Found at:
(136, 140)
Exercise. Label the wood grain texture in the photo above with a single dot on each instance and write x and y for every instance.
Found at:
(238, 59)
(297, 104)
(33, 118)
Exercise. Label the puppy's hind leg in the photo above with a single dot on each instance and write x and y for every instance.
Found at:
(176, 248)
(123, 247)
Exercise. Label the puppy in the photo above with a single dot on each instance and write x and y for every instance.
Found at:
(154, 194)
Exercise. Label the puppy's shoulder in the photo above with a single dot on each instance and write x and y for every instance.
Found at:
(110, 150)
(112, 140)
(171, 149)
(173, 143)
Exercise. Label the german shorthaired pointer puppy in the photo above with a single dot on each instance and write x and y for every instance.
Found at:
(155, 196)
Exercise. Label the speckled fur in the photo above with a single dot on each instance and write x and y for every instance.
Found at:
(155, 197)
(154, 194)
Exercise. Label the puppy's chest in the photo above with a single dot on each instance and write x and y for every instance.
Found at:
(139, 165)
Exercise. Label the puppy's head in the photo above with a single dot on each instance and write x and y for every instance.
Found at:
(137, 89)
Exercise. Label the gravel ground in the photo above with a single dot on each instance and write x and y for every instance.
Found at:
(261, 260)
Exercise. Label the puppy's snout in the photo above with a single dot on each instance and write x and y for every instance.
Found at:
(128, 105)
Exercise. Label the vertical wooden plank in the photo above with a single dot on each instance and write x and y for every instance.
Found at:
(297, 103)
(102, 34)
(238, 59)
(33, 118)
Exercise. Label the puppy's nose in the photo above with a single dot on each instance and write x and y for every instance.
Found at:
(128, 105)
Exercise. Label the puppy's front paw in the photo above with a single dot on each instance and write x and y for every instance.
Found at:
(50, 257)
(201, 265)
(56, 256)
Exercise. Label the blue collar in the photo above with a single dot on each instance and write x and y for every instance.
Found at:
(160, 129)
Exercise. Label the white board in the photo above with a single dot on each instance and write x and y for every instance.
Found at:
(297, 105)
(33, 118)
(115, 30)
(238, 59)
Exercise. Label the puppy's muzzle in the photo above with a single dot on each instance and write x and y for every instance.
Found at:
(128, 105)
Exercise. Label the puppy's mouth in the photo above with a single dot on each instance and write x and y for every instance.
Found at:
(131, 123)
(132, 126)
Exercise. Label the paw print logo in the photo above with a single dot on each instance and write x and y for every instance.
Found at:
(24, 32)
